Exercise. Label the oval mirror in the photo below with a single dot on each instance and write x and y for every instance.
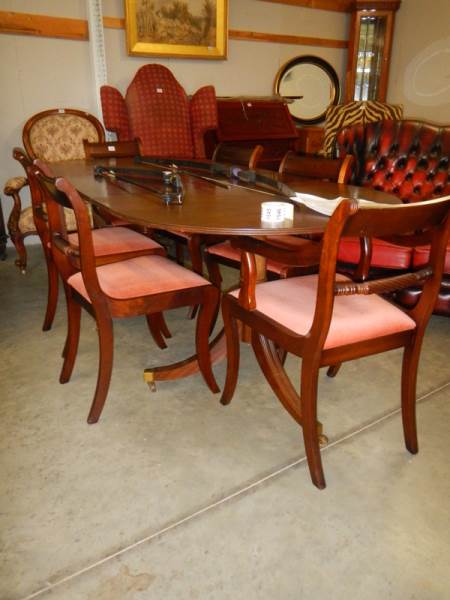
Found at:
(310, 85)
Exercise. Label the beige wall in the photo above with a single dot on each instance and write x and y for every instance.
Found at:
(420, 65)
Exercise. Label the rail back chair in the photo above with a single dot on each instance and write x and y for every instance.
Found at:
(247, 156)
(136, 286)
(307, 167)
(327, 319)
(109, 245)
(52, 135)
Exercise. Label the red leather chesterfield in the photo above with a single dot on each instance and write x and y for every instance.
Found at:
(157, 111)
(412, 160)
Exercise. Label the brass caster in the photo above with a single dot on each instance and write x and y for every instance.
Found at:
(323, 440)
(149, 380)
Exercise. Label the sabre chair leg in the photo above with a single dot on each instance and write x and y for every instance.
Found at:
(105, 363)
(309, 380)
(155, 330)
(233, 352)
(72, 339)
(203, 328)
(52, 294)
(163, 325)
(409, 379)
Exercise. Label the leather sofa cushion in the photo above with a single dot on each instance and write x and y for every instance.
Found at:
(421, 254)
(384, 255)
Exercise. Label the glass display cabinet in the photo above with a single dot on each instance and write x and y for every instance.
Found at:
(370, 42)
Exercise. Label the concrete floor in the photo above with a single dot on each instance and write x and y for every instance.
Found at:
(173, 496)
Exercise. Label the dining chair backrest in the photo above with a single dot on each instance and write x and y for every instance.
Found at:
(122, 149)
(247, 156)
(313, 167)
(59, 195)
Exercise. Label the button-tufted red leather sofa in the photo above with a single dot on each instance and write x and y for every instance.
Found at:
(408, 158)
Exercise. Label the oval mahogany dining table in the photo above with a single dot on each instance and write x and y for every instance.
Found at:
(218, 207)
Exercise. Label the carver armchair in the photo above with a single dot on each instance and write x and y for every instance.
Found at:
(327, 319)
(410, 159)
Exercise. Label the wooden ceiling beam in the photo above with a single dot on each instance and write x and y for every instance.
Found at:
(335, 5)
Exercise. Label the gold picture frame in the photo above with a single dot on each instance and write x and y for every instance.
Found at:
(183, 28)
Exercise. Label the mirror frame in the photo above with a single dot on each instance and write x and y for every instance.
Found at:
(321, 64)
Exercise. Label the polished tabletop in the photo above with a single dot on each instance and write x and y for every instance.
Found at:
(207, 208)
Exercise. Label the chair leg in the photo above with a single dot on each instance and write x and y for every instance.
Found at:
(21, 260)
(309, 384)
(73, 336)
(270, 361)
(233, 352)
(333, 370)
(52, 295)
(163, 325)
(203, 328)
(410, 364)
(105, 363)
(155, 330)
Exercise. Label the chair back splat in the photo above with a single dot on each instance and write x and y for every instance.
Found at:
(327, 319)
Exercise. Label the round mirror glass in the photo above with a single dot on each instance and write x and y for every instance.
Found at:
(310, 85)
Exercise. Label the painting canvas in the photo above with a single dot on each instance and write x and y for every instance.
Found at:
(185, 28)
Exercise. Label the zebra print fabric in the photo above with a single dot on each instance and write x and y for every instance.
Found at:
(343, 115)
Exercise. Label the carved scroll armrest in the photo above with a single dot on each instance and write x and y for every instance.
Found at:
(12, 189)
(14, 185)
(385, 285)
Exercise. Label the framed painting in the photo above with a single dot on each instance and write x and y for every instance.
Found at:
(184, 28)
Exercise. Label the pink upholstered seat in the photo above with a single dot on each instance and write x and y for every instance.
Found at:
(117, 240)
(142, 276)
(291, 302)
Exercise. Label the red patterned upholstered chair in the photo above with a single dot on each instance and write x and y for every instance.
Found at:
(157, 111)
(412, 160)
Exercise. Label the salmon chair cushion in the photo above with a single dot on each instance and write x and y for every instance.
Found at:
(410, 159)
(157, 111)
(129, 279)
(118, 240)
(291, 302)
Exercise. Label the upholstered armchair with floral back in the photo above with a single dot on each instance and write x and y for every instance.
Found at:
(52, 135)
(157, 111)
